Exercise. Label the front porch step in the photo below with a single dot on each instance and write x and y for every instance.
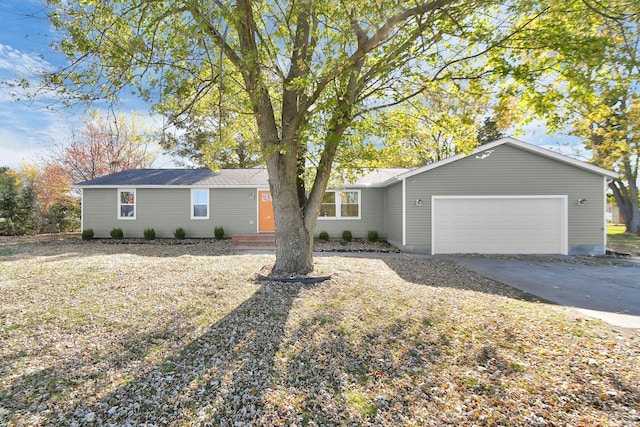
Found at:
(254, 238)
(254, 241)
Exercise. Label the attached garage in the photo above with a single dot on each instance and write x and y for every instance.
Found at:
(505, 197)
(499, 224)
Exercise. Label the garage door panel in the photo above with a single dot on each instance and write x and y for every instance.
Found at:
(499, 225)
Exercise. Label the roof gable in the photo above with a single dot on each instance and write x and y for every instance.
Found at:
(516, 143)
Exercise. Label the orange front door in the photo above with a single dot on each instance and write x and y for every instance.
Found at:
(266, 222)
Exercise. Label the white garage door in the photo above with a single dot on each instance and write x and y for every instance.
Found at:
(499, 224)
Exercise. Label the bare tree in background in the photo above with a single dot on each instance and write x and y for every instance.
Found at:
(103, 147)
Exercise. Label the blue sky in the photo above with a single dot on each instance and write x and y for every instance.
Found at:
(28, 130)
(25, 129)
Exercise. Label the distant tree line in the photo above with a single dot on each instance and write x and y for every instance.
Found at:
(39, 199)
(34, 202)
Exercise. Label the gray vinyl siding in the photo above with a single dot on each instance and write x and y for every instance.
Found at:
(235, 209)
(99, 210)
(508, 170)
(394, 213)
(165, 209)
(372, 217)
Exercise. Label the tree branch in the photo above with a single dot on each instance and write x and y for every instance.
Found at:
(216, 35)
(371, 43)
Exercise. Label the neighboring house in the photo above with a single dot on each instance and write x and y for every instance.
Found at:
(505, 197)
(613, 215)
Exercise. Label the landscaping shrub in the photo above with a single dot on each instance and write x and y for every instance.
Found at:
(373, 236)
(116, 233)
(323, 236)
(219, 233)
(149, 234)
(87, 234)
(347, 236)
(179, 233)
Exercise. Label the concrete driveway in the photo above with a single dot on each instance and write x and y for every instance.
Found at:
(607, 292)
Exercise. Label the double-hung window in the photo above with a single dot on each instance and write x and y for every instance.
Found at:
(200, 203)
(340, 204)
(126, 203)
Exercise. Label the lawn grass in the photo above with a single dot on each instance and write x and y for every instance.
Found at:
(115, 334)
(620, 241)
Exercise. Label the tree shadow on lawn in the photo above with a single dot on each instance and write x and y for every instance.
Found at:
(330, 368)
(51, 394)
(447, 274)
(247, 369)
(222, 374)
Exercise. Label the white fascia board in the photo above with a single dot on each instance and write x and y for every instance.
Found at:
(520, 144)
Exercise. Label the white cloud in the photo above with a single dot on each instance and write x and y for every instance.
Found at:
(28, 136)
(535, 132)
(22, 63)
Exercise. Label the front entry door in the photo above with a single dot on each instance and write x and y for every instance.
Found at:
(266, 222)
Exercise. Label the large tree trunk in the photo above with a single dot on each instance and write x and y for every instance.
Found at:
(294, 243)
(296, 221)
(284, 153)
(625, 198)
(631, 213)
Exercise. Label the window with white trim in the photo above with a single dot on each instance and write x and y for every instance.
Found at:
(200, 203)
(126, 203)
(340, 204)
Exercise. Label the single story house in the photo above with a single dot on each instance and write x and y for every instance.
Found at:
(506, 197)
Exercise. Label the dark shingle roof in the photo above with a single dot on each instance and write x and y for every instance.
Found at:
(180, 177)
(206, 178)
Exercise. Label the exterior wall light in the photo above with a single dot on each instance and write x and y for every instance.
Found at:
(582, 202)
(419, 202)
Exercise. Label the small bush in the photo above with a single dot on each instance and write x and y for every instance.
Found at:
(323, 236)
(87, 234)
(373, 236)
(149, 234)
(219, 233)
(179, 233)
(347, 236)
(116, 233)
